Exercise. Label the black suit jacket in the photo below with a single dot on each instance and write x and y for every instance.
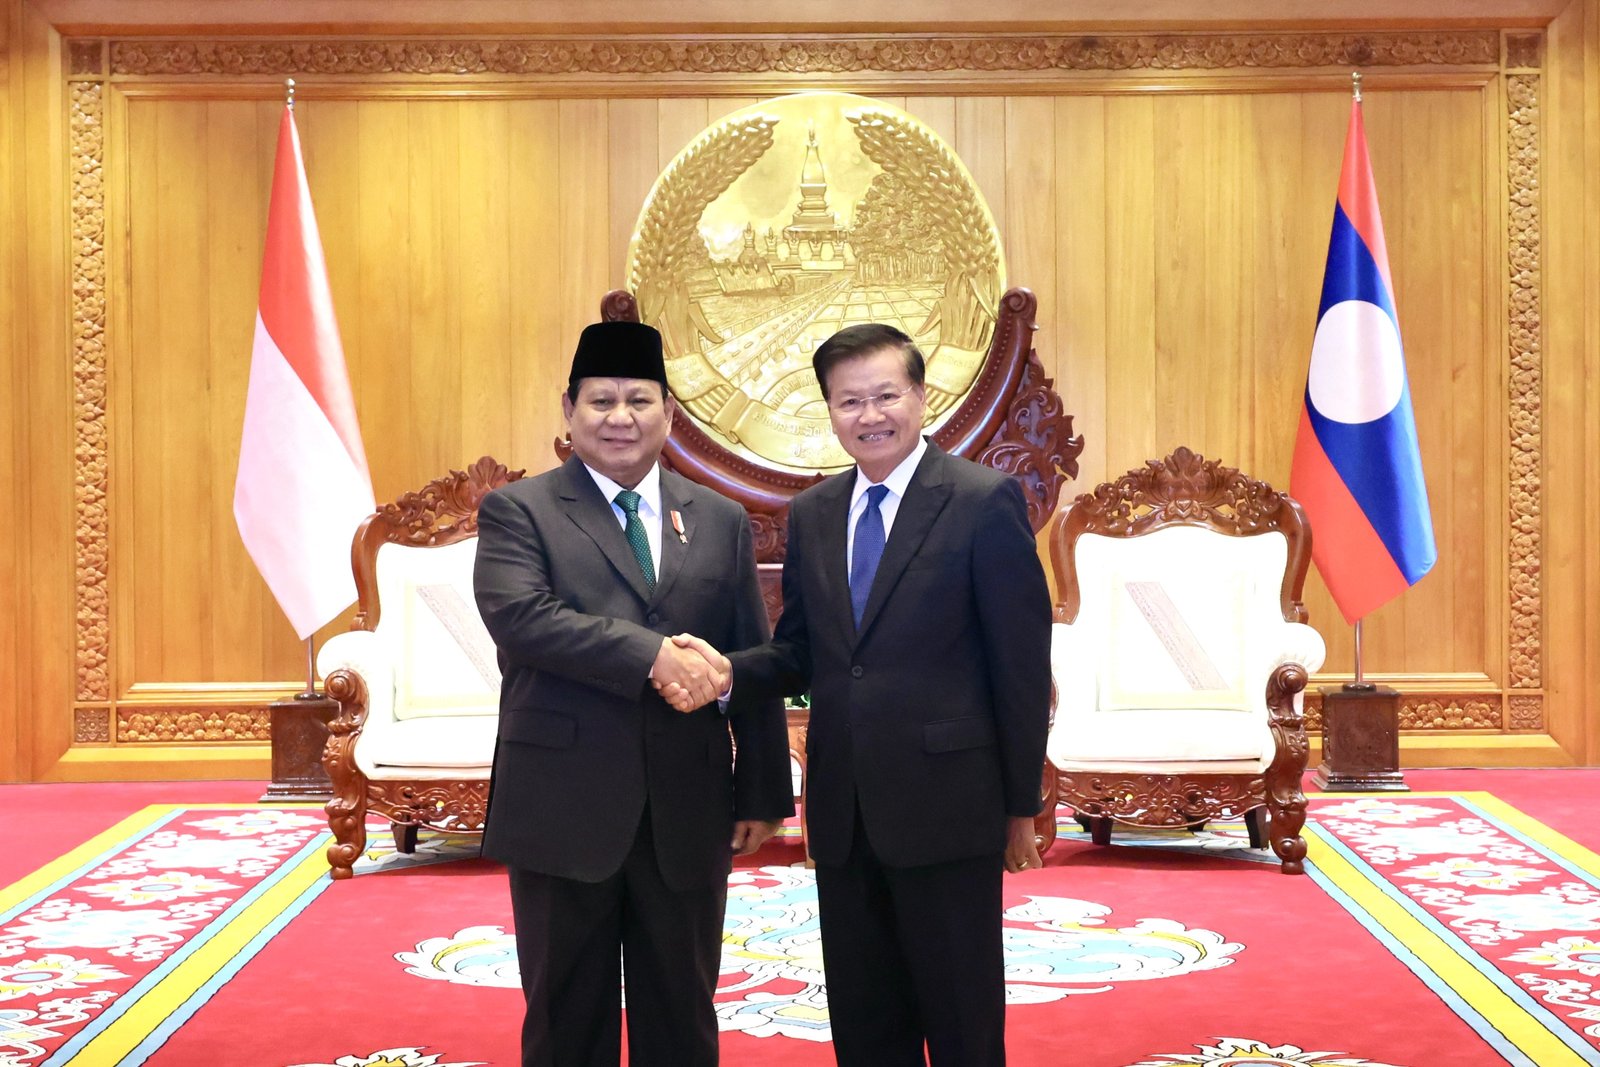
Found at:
(584, 739)
(933, 717)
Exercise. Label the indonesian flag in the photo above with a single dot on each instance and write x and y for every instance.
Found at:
(303, 485)
(1357, 468)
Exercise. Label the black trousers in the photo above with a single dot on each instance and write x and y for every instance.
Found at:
(568, 936)
(913, 957)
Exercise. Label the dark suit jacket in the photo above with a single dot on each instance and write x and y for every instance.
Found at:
(934, 716)
(584, 739)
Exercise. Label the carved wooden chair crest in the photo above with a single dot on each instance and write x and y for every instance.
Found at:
(1180, 654)
(416, 677)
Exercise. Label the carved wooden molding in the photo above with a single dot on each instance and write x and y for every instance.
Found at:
(1524, 50)
(1036, 446)
(86, 57)
(440, 513)
(91, 726)
(1183, 489)
(1526, 383)
(1525, 712)
(1441, 711)
(140, 723)
(807, 55)
(91, 508)
(1429, 712)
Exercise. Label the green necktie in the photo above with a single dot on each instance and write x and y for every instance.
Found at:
(628, 501)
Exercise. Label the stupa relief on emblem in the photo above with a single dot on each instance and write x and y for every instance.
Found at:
(789, 220)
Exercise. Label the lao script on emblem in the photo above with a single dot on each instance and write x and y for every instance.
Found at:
(794, 218)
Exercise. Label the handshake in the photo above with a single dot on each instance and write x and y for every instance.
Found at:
(688, 673)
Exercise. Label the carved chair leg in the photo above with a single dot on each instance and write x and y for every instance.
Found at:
(1285, 820)
(1044, 824)
(405, 838)
(347, 818)
(1100, 830)
(1254, 824)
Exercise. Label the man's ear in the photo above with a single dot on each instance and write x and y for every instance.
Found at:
(566, 406)
(670, 403)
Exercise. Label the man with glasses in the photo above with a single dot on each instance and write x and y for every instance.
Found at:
(916, 614)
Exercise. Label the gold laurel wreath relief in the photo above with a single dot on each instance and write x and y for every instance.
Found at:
(702, 173)
(971, 303)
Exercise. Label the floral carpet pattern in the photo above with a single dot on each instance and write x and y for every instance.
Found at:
(112, 954)
(1524, 913)
(116, 925)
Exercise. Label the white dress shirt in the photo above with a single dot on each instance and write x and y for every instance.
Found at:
(649, 490)
(897, 482)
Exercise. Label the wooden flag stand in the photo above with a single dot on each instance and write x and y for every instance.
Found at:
(299, 734)
(1360, 736)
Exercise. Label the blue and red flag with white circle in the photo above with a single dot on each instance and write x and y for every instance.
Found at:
(1357, 468)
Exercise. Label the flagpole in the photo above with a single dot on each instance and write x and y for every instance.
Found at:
(1360, 679)
(288, 85)
(1355, 84)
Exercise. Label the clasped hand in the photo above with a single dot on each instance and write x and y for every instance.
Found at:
(688, 673)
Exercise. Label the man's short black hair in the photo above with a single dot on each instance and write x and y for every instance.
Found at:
(864, 339)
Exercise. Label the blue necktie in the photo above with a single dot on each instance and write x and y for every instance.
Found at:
(868, 550)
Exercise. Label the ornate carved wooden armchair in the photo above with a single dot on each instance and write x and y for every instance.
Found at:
(416, 676)
(1180, 654)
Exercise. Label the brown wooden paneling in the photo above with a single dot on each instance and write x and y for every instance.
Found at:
(1176, 240)
(13, 338)
(1571, 469)
(1206, 302)
(39, 413)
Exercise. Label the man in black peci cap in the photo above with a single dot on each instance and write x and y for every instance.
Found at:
(616, 815)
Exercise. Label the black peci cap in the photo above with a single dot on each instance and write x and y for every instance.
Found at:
(618, 350)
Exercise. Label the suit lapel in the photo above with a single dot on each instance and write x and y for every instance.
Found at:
(677, 494)
(592, 513)
(925, 497)
(833, 509)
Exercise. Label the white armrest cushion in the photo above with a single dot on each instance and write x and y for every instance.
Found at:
(1075, 654)
(362, 652)
(1298, 643)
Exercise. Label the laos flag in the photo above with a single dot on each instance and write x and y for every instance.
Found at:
(1357, 470)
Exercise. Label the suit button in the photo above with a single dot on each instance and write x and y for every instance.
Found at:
(856, 671)
(652, 618)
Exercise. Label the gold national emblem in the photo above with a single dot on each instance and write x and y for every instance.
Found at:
(789, 220)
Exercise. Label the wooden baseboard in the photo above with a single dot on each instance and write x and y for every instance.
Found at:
(164, 763)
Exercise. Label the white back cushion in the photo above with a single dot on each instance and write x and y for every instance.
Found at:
(444, 658)
(1181, 612)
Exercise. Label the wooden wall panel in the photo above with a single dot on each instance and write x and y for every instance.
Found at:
(13, 750)
(1192, 244)
(1176, 240)
(38, 412)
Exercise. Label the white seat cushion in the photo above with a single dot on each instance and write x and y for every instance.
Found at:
(1161, 735)
(443, 741)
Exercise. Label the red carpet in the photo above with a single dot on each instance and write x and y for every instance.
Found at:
(1160, 950)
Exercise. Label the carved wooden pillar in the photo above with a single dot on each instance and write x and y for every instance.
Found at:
(1360, 740)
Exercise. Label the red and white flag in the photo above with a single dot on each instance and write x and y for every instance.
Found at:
(303, 485)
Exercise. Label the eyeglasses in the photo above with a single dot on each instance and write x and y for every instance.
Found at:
(857, 405)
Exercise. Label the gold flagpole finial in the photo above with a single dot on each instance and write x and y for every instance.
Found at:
(288, 85)
(1355, 84)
